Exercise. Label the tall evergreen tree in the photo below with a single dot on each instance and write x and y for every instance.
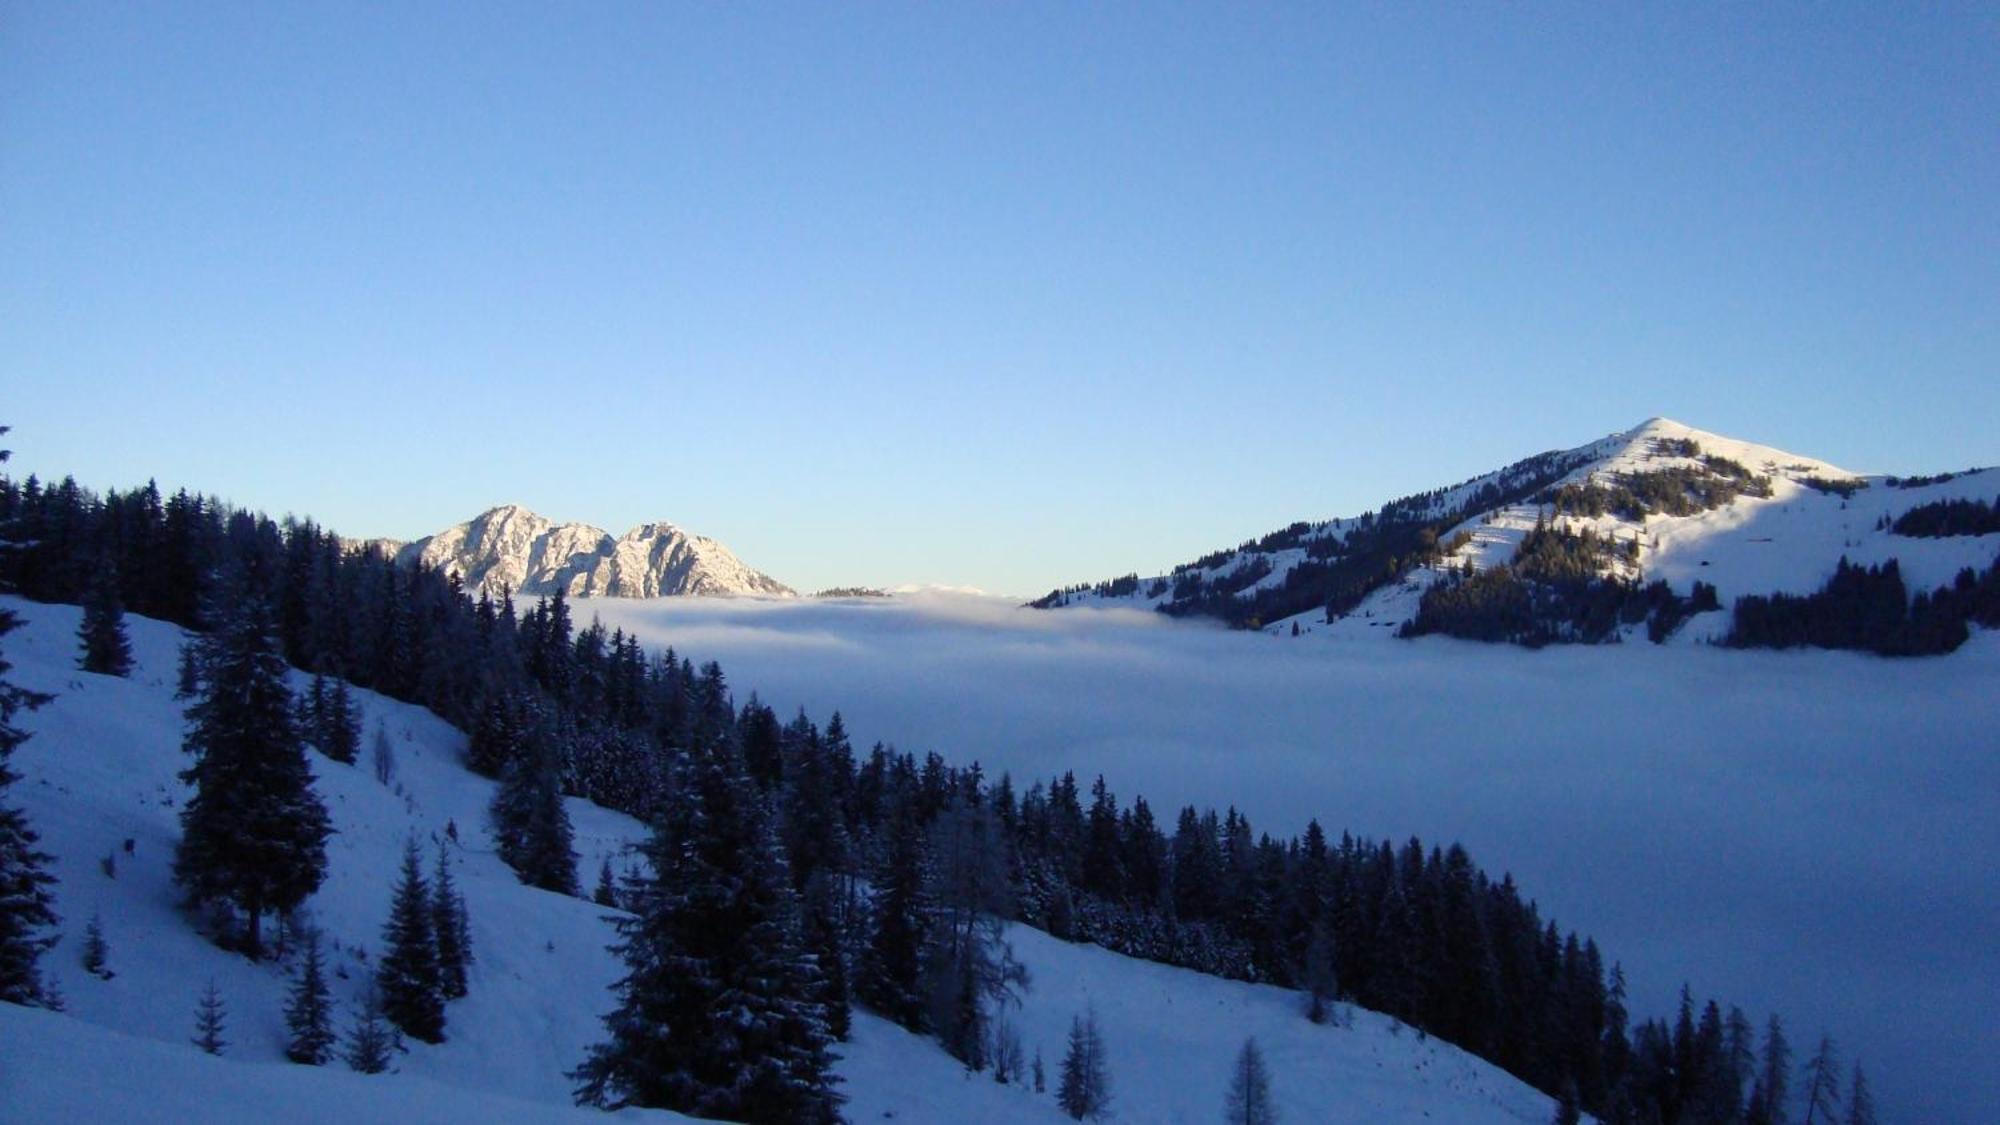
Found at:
(1249, 1101)
(825, 940)
(1822, 1079)
(1775, 1081)
(309, 1010)
(893, 963)
(27, 908)
(253, 833)
(1860, 1103)
(412, 992)
(529, 820)
(719, 1011)
(106, 649)
(452, 927)
(1084, 1090)
(339, 734)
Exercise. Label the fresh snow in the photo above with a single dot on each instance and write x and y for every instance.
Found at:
(100, 769)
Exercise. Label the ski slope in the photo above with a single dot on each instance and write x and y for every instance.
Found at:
(100, 770)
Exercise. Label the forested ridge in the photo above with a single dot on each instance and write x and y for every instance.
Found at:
(838, 876)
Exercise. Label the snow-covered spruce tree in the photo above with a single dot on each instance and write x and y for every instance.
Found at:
(209, 1018)
(105, 649)
(530, 824)
(824, 940)
(452, 927)
(407, 978)
(253, 833)
(309, 1010)
(371, 1040)
(1084, 1090)
(718, 1012)
(26, 905)
(1249, 1101)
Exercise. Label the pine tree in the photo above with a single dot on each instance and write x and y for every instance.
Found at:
(1084, 1089)
(253, 833)
(450, 924)
(408, 977)
(823, 940)
(530, 823)
(340, 725)
(26, 904)
(371, 1039)
(1249, 1100)
(309, 1011)
(1822, 1076)
(718, 1013)
(209, 1015)
(1776, 1079)
(106, 649)
(606, 893)
(96, 952)
(900, 909)
(1860, 1103)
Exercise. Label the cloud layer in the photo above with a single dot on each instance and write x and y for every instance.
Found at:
(1811, 833)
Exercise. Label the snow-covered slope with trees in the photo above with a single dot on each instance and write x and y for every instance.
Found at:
(1661, 502)
(513, 548)
(100, 784)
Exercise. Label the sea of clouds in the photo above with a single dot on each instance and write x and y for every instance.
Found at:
(1812, 833)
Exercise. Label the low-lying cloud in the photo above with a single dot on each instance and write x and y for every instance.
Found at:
(1811, 833)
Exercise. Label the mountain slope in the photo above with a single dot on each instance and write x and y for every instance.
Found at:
(101, 769)
(1662, 501)
(513, 548)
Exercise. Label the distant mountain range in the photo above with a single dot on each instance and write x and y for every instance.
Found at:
(514, 548)
(1639, 532)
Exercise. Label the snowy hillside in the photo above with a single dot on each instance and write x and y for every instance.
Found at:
(100, 770)
(1745, 519)
(514, 548)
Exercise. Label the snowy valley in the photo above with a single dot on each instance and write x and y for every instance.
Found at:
(101, 769)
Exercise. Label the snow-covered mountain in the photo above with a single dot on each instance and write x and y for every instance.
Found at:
(1670, 503)
(101, 785)
(512, 547)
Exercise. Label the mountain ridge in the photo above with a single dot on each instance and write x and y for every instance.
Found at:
(510, 547)
(1662, 502)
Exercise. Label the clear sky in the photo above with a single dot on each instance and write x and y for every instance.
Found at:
(1002, 295)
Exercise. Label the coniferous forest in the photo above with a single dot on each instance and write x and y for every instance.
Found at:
(796, 875)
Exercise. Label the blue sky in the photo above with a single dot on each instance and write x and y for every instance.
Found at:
(1005, 295)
